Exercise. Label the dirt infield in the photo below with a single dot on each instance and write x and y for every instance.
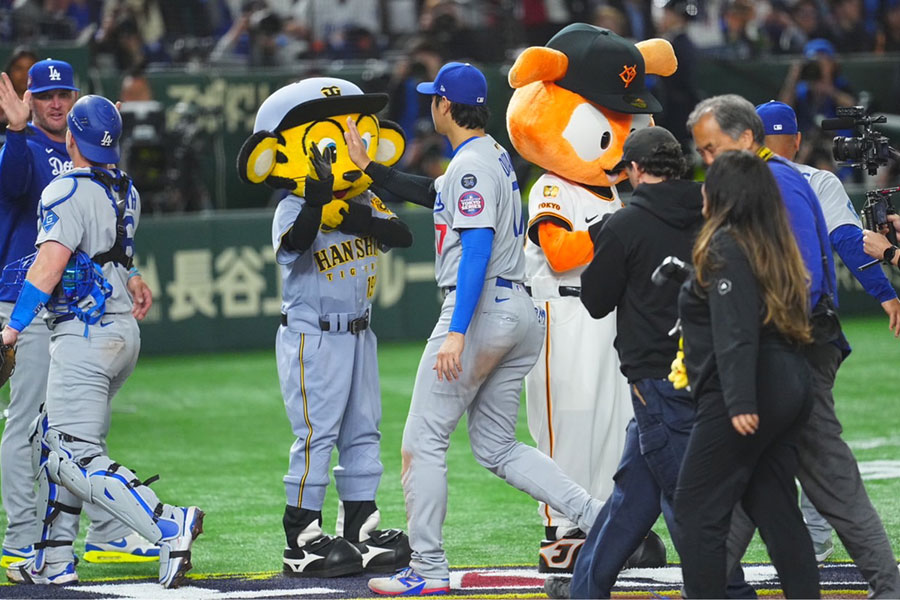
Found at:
(839, 580)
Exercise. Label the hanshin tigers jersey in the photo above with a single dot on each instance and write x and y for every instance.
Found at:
(337, 273)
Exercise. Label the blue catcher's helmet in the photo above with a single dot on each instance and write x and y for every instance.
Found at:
(13, 276)
(96, 126)
(83, 290)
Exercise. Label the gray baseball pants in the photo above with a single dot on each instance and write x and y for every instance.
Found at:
(502, 344)
(27, 391)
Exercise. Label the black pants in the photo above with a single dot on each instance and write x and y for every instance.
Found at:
(830, 476)
(722, 467)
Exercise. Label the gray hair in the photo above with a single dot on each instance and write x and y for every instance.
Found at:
(733, 113)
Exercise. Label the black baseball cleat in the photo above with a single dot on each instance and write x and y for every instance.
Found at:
(649, 555)
(385, 551)
(324, 556)
(559, 555)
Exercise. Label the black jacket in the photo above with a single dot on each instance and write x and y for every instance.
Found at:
(661, 220)
(724, 332)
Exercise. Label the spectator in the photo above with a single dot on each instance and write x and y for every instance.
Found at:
(888, 39)
(131, 33)
(17, 69)
(741, 40)
(610, 17)
(848, 29)
(678, 93)
(542, 19)
(341, 28)
(815, 88)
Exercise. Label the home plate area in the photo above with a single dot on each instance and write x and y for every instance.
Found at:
(839, 580)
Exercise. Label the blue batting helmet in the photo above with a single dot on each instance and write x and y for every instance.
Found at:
(96, 126)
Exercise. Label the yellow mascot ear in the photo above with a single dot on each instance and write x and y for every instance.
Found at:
(257, 157)
(659, 56)
(538, 64)
(391, 143)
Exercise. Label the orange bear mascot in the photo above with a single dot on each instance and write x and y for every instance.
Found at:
(575, 101)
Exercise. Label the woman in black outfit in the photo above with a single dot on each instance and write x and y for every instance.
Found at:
(744, 316)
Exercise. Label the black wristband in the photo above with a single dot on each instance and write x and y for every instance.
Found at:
(889, 253)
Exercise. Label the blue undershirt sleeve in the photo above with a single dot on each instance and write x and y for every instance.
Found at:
(476, 252)
(15, 166)
(847, 240)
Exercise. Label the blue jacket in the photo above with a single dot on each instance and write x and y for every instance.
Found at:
(28, 162)
(808, 224)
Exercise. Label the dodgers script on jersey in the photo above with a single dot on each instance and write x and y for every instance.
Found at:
(474, 193)
(87, 221)
(336, 274)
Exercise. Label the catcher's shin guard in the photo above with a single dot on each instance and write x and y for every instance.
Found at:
(311, 553)
(383, 550)
(100, 480)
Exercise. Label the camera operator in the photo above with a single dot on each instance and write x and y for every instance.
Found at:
(661, 220)
(877, 245)
(844, 230)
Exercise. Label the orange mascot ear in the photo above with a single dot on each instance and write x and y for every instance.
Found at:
(659, 56)
(538, 64)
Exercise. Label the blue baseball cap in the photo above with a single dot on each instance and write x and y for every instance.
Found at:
(49, 74)
(459, 82)
(778, 118)
(818, 46)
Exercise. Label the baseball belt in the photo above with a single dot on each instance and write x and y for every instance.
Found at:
(564, 290)
(353, 326)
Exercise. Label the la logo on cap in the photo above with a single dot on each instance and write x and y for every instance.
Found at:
(54, 74)
(107, 139)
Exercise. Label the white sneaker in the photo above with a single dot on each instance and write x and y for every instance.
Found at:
(175, 547)
(407, 582)
(57, 573)
(130, 549)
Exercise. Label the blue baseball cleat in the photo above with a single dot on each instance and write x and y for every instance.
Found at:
(407, 582)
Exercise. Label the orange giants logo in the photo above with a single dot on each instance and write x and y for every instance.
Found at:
(560, 555)
(628, 74)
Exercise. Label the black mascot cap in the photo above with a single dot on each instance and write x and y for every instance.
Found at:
(606, 69)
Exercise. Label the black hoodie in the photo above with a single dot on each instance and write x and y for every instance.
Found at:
(661, 220)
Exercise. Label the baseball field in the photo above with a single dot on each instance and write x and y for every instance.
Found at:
(214, 428)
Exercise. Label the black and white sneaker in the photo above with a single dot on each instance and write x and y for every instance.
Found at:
(384, 551)
(324, 556)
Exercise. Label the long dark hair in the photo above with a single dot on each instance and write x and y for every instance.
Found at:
(741, 194)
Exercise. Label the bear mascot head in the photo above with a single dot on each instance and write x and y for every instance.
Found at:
(577, 99)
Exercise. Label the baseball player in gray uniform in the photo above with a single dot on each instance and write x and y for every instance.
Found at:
(34, 154)
(487, 338)
(88, 218)
(325, 350)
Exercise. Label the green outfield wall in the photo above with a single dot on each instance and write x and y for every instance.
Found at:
(217, 287)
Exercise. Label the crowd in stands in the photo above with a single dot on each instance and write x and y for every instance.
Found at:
(126, 33)
(416, 36)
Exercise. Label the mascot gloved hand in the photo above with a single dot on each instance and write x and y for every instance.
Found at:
(575, 101)
(298, 144)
